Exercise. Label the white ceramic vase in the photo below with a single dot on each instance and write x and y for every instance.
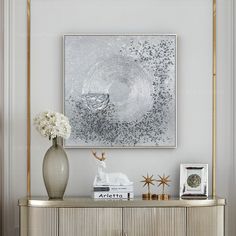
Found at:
(55, 170)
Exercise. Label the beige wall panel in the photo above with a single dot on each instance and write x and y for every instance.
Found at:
(205, 221)
(42, 222)
(90, 221)
(155, 221)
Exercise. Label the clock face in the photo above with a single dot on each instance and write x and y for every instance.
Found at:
(194, 181)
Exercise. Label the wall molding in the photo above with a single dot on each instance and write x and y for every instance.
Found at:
(230, 224)
(7, 113)
(234, 83)
(1, 110)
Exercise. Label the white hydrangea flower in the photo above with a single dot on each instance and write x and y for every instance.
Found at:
(52, 124)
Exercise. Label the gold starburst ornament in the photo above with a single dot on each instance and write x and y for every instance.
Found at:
(163, 181)
(148, 180)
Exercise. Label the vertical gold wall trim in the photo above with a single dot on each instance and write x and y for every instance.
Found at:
(28, 99)
(214, 104)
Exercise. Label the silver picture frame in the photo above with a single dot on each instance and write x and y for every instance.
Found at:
(193, 181)
(91, 62)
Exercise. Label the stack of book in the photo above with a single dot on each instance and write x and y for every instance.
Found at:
(113, 192)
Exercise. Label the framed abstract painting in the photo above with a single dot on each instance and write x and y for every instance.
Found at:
(120, 90)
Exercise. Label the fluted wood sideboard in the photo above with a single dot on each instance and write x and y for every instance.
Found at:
(137, 217)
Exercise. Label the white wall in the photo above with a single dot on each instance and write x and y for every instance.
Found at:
(191, 20)
(194, 80)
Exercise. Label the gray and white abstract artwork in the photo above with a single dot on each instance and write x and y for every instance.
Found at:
(120, 90)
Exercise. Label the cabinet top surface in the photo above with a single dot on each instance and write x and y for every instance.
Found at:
(86, 202)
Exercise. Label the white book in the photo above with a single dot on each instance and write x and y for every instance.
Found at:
(117, 195)
(114, 188)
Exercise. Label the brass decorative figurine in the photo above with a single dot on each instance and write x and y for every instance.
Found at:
(164, 182)
(147, 181)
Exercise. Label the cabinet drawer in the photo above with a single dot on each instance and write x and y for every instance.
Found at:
(205, 221)
(154, 221)
(42, 222)
(90, 221)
